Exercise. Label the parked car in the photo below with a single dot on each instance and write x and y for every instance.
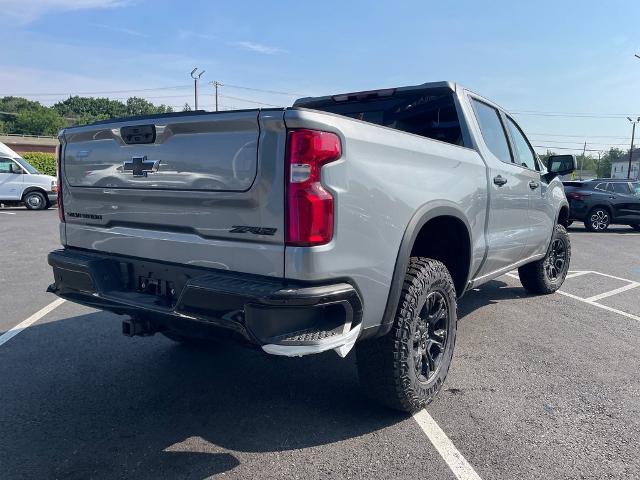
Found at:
(21, 183)
(604, 201)
(354, 219)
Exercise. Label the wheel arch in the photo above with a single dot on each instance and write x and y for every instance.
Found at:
(419, 240)
(563, 214)
(28, 190)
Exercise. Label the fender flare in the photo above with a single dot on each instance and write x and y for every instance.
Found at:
(34, 189)
(423, 215)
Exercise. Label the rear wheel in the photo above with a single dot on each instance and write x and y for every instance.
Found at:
(597, 220)
(547, 275)
(35, 201)
(406, 368)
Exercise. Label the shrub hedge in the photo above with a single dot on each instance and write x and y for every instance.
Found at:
(44, 162)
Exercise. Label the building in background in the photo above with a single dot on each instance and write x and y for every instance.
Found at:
(619, 168)
(27, 143)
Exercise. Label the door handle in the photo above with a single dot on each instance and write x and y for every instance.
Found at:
(533, 185)
(612, 196)
(499, 180)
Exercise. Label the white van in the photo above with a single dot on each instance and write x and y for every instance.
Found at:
(20, 182)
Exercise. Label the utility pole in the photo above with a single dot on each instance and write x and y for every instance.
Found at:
(216, 84)
(196, 76)
(633, 133)
(584, 150)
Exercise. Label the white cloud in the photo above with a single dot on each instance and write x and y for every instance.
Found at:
(257, 47)
(188, 34)
(117, 29)
(25, 11)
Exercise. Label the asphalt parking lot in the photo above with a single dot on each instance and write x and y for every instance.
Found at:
(540, 387)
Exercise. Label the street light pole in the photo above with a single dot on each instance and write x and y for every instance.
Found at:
(196, 77)
(633, 133)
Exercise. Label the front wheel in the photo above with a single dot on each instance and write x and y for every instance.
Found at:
(406, 368)
(547, 275)
(35, 201)
(597, 220)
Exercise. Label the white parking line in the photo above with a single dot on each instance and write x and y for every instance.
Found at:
(588, 301)
(577, 273)
(9, 334)
(599, 305)
(445, 447)
(624, 288)
(9, 213)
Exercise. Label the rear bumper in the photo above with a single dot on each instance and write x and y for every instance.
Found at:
(53, 197)
(280, 316)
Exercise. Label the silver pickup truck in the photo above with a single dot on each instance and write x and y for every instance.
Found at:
(355, 219)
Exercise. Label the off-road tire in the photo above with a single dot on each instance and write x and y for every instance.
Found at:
(35, 201)
(386, 365)
(535, 276)
(600, 225)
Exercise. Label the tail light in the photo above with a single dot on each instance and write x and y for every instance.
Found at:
(577, 195)
(309, 206)
(59, 176)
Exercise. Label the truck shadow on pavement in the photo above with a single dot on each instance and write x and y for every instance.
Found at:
(81, 401)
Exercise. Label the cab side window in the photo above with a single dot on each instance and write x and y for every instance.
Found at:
(492, 130)
(6, 165)
(522, 150)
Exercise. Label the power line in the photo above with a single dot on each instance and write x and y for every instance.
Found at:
(92, 93)
(292, 94)
(580, 143)
(578, 136)
(554, 147)
(249, 101)
(571, 115)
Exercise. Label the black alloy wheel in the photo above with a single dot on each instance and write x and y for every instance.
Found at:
(555, 263)
(430, 336)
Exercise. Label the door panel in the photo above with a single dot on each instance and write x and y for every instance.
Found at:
(509, 192)
(10, 183)
(542, 215)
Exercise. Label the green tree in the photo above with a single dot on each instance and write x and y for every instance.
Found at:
(18, 104)
(140, 106)
(43, 121)
(186, 108)
(90, 109)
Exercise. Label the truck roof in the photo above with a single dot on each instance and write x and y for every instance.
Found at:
(310, 102)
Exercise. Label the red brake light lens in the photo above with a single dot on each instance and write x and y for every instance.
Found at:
(309, 206)
(577, 195)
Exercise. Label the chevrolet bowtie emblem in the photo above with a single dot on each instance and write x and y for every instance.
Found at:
(140, 166)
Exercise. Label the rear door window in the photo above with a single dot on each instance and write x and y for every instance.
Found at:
(492, 130)
(620, 187)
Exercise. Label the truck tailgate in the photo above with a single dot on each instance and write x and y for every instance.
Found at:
(199, 189)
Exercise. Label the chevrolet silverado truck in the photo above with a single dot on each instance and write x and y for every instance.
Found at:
(351, 221)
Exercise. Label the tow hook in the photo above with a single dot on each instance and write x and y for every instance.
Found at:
(138, 327)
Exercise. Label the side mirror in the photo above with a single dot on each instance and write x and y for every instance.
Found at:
(15, 169)
(561, 165)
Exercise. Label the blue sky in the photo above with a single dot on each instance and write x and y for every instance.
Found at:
(560, 56)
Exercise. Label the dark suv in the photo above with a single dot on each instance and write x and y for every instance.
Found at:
(603, 201)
